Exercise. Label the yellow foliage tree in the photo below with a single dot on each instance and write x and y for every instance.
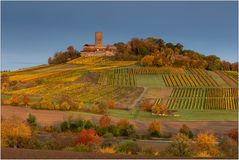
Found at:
(15, 133)
(206, 143)
(159, 109)
(154, 128)
(147, 60)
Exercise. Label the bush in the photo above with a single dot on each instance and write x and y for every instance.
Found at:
(15, 133)
(114, 130)
(233, 134)
(75, 125)
(125, 128)
(111, 104)
(46, 103)
(64, 126)
(88, 136)
(206, 142)
(146, 106)
(109, 140)
(181, 146)
(107, 150)
(31, 120)
(79, 148)
(129, 147)
(186, 130)
(26, 100)
(229, 147)
(154, 128)
(15, 100)
(159, 109)
(104, 121)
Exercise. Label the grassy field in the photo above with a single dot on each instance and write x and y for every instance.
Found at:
(183, 115)
(152, 80)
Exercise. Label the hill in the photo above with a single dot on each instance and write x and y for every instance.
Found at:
(90, 84)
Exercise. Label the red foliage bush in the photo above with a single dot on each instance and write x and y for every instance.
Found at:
(88, 136)
(233, 134)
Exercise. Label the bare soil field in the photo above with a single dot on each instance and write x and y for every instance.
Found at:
(47, 117)
(11, 153)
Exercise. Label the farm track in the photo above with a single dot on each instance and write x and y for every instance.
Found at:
(46, 117)
(139, 98)
(12, 153)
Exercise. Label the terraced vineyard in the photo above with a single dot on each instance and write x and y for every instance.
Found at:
(204, 98)
(232, 75)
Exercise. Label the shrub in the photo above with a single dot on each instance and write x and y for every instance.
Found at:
(146, 106)
(109, 140)
(125, 128)
(206, 142)
(65, 106)
(181, 146)
(64, 126)
(15, 133)
(107, 150)
(154, 128)
(159, 109)
(79, 148)
(229, 147)
(129, 147)
(114, 130)
(46, 103)
(15, 100)
(26, 100)
(186, 130)
(31, 120)
(233, 134)
(88, 136)
(111, 104)
(104, 121)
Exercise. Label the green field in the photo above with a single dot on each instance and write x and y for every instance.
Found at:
(152, 80)
(183, 115)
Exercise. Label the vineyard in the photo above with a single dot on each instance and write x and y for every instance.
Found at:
(204, 98)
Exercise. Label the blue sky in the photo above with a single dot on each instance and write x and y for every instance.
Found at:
(33, 31)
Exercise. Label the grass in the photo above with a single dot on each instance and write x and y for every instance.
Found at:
(184, 115)
(147, 80)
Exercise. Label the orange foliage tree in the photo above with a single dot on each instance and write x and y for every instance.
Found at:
(154, 128)
(105, 121)
(159, 109)
(233, 134)
(206, 143)
(15, 133)
(87, 137)
(146, 106)
(15, 100)
(111, 104)
(26, 100)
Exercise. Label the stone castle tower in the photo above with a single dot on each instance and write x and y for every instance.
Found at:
(98, 39)
(98, 49)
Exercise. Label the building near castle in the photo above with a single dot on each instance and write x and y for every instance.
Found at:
(98, 49)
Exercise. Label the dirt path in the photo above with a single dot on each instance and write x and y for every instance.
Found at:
(46, 117)
(11, 153)
(138, 99)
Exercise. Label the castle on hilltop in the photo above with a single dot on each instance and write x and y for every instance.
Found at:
(98, 49)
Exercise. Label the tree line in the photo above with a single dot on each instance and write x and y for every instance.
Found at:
(156, 52)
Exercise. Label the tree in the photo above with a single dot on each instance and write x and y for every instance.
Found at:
(146, 106)
(125, 128)
(15, 100)
(87, 137)
(31, 120)
(111, 103)
(154, 128)
(105, 121)
(159, 109)
(26, 100)
(206, 142)
(233, 134)
(181, 146)
(5, 82)
(15, 133)
(147, 60)
(186, 130)
(229, 147)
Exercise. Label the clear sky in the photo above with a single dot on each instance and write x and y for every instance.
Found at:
(33, 31)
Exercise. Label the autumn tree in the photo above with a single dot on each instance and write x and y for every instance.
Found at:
(159, 109)
(26, 100)
(111, 104)
(146, 106)
(147, 60)
(206, 142)
(5, 82)
(186, 130)
(181, 146)
(228, 147)
(87, 137)
(154, 128)
(15, 100)
(233, 134)
(15, 133)
(105, 121)
(125, 128)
